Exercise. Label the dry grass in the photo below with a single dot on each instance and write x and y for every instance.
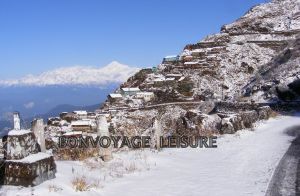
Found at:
(76, 153)
(80, 184)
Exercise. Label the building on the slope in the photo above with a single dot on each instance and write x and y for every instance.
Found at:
(91, 115)
(176, 76)
(195, 64)
(187, 58)
(171, 59)
(86, 125)
(114, 97)
(146, 96)
(154, 69)
(63, 115)
(130, 91)
(68, 116)
(73, 134)
(54, 121)
(159, 82)
(81, 114)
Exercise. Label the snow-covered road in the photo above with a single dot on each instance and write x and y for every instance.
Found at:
(242, 164)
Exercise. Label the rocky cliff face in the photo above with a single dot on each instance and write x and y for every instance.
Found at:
(279, 79)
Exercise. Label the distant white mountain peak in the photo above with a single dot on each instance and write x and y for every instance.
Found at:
(114, 72)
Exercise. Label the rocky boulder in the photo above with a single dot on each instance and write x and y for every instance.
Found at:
(248, 118)
(234, 122)
(231, 124)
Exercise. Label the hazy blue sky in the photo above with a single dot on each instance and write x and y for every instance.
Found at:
(40, 35)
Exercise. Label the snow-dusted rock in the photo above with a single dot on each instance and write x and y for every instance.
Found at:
(248, 118)
(227, 125)
(20, 143)
(212, 123)
(234, 122)
(29, 171)
(264, 112)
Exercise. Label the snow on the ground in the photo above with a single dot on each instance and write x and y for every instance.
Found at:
(242, 164)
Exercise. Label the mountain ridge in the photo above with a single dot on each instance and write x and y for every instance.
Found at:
(114, 72)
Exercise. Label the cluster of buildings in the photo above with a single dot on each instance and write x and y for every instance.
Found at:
(152, 82)
(197, 56)
(77, 122)
(130, 97)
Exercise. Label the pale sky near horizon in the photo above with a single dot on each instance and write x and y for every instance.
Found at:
(37, 36)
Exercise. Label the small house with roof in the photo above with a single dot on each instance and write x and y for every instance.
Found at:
(146, 96)
(86, 125)
(130, 91)
(81, 114)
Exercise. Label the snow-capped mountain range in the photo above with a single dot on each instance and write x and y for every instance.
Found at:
(76, 86)
(114, 72)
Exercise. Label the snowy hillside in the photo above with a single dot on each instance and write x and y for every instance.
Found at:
(221, 65)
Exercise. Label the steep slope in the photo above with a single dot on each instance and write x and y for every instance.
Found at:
(220, 66)
(235, 55)
(280, 78)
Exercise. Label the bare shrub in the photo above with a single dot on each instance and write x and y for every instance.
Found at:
(80, 184)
